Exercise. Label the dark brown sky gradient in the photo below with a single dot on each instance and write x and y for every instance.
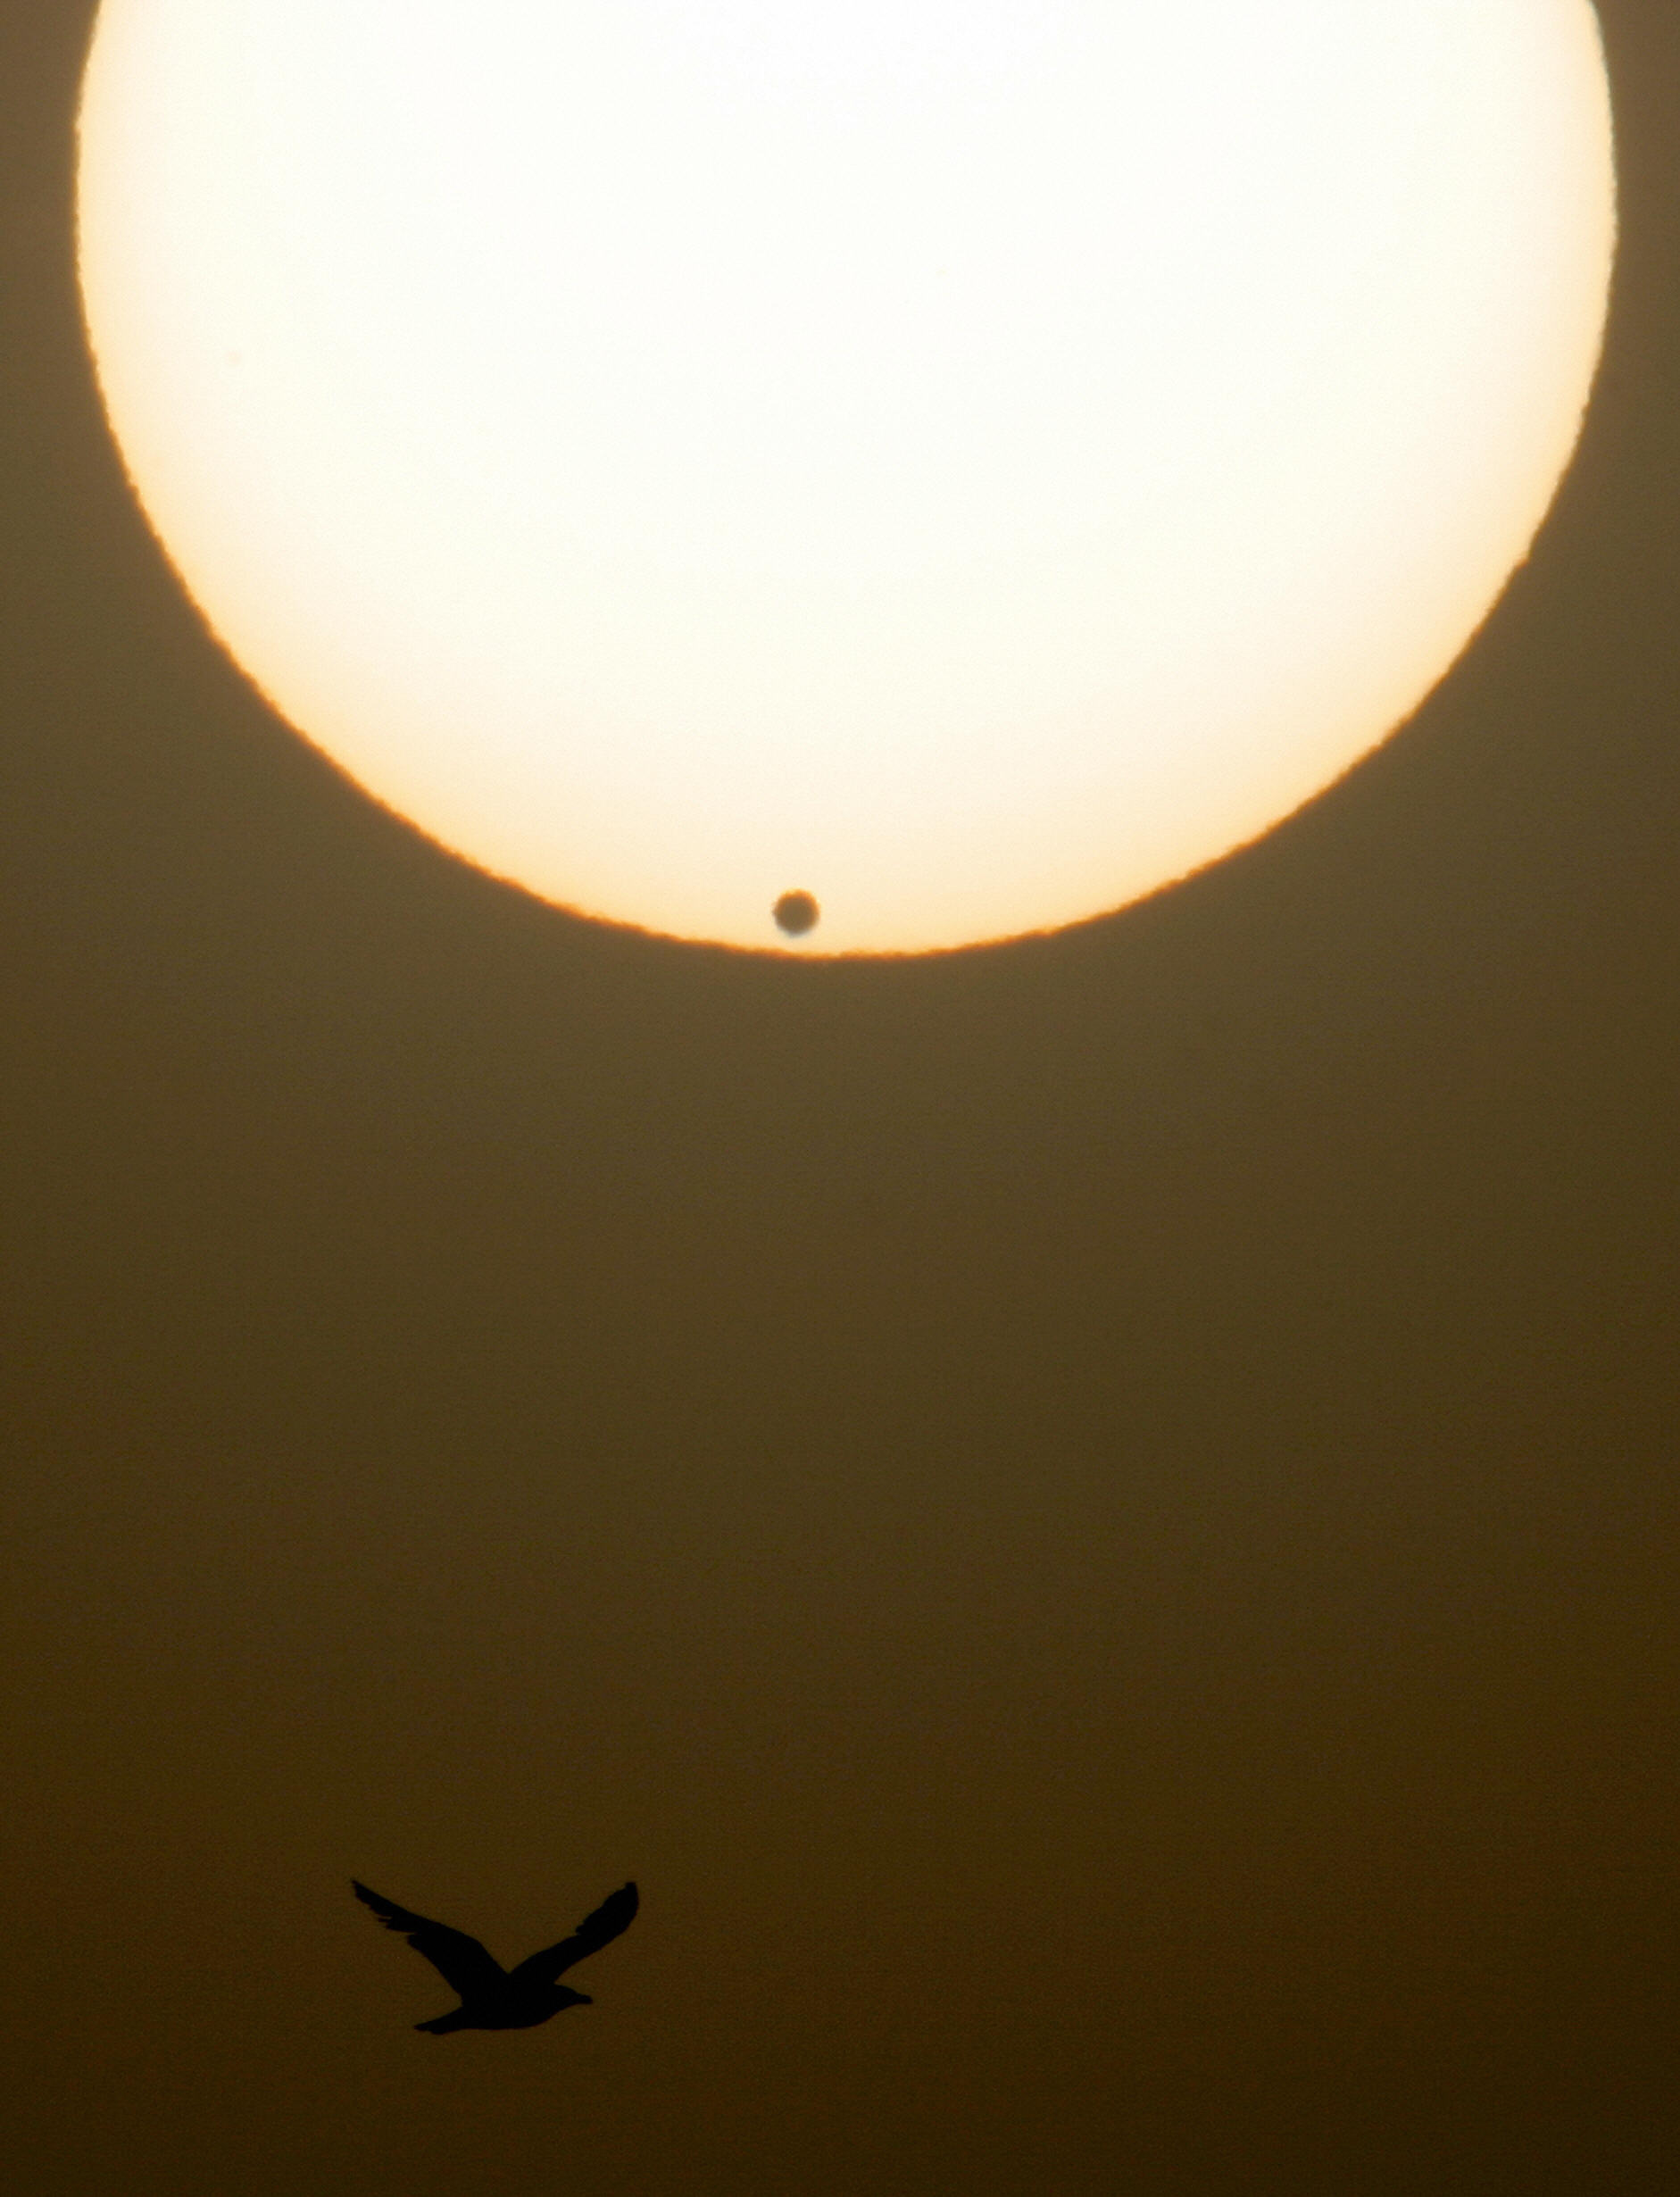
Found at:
(1096, 1521)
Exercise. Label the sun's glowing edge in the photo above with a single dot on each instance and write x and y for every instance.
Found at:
(233, 583)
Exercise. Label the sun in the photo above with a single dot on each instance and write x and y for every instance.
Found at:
(846, 475)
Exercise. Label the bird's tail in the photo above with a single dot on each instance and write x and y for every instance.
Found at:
(441, 2025)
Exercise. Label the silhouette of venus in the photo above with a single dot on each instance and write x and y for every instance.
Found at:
(493, 1997)
(979, 459)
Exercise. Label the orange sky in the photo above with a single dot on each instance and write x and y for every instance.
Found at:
(1095, 1523)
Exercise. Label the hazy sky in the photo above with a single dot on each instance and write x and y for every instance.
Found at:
(1095, 1522)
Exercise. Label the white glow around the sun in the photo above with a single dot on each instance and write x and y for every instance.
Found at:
(971, 459)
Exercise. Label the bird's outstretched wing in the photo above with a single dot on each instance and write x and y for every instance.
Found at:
(615, 1914)
(460, 1960)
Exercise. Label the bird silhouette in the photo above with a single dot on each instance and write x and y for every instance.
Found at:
(493, 1997)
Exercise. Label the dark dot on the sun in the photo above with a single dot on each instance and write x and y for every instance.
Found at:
(796, 913)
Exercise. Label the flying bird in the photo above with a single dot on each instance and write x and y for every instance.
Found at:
(493, 1997)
